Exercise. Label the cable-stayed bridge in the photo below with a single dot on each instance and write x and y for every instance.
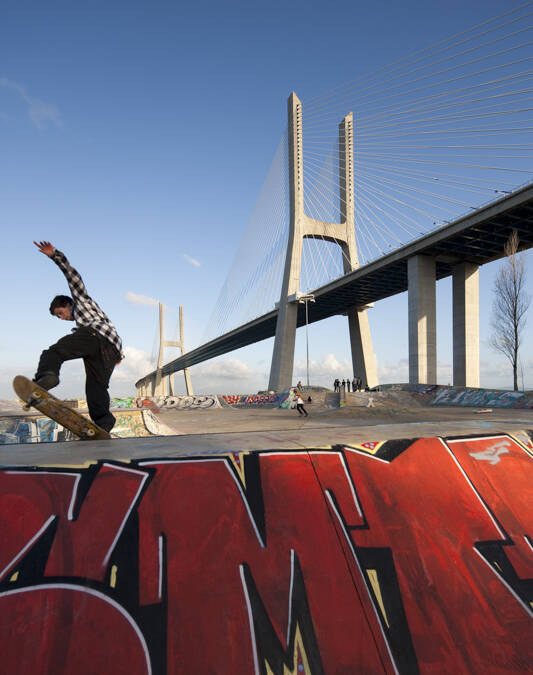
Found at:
(413, 173)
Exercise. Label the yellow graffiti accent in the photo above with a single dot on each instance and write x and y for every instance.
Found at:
(113, 578)
(74, 465)
(522, 444)
(374, 581)
(238, 465)
(298, 647)
(363, 448)
(496, 565)
(84, 465)
(14, 577)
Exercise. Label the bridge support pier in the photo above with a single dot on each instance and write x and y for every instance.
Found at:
(342, 234)
(283, 354)
(466, 325)
(422, 320)
(363, 358)
(423, 324)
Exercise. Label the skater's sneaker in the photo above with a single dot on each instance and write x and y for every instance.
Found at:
(47, 380)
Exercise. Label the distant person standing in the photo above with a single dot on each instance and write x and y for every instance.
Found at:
(299, 386)
(354, 384)
(343, 385)
(347, 384)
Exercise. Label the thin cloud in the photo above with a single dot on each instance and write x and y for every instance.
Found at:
(329, 366)
(136, 299)
(226, 369)
(136, 364)
(193, 261)
(39, 112)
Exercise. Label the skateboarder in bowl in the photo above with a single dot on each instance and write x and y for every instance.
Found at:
(95, 340)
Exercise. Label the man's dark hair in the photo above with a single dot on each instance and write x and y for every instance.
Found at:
(60, 301)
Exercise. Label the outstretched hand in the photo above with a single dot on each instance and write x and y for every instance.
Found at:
(45, 247)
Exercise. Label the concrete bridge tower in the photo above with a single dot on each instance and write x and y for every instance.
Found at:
(342, 233)
(154, 384)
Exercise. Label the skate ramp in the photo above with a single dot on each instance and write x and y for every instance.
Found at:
(442, 395)
(405, 556)
(383, 399)
(481, 398)
(138, 424)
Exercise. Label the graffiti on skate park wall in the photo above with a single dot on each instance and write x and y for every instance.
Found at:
(244, 400)
(100, 565)
(168, 402)
(198, 402)
(231, 399)
(32, 429)
(479, 397)
(139, 423)
(124, 402)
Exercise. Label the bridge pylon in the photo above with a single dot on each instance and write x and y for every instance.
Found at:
(342, 233)
(154, 384)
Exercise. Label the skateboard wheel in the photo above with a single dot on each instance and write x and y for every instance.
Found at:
(90, 432)
(35, 395)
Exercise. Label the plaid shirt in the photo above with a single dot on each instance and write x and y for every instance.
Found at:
(85, 310)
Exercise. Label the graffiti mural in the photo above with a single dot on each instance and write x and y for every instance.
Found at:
(127, 402)
(252, 400)
(392, 556)
(139, 423)
(231, 399)
(479, 398)
(31, 429)
(168, 402)
(261, 400)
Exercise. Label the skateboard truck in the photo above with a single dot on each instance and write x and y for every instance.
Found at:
(34, 398)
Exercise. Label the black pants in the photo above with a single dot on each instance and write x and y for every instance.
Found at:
(301, 409)
(99, 357)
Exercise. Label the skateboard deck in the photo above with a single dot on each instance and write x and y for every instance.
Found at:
(37, 397)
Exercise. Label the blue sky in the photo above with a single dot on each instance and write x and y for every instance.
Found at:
(136, 137)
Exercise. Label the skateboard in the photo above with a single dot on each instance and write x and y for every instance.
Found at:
(34, 395)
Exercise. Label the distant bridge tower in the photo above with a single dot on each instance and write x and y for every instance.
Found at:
(342, 233)
(157, 385)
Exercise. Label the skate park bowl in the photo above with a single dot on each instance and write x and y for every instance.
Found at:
(309, 548)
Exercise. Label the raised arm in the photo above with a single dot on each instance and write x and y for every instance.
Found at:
(74, 280)
(45, 247)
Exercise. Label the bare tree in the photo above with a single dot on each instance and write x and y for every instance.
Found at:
(510, 305)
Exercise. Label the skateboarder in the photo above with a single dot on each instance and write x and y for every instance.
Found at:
(95, 340)
(300, 404)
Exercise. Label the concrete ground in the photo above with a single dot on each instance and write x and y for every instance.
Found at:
(231, 429)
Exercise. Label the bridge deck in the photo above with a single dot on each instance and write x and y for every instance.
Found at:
(476, 238)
